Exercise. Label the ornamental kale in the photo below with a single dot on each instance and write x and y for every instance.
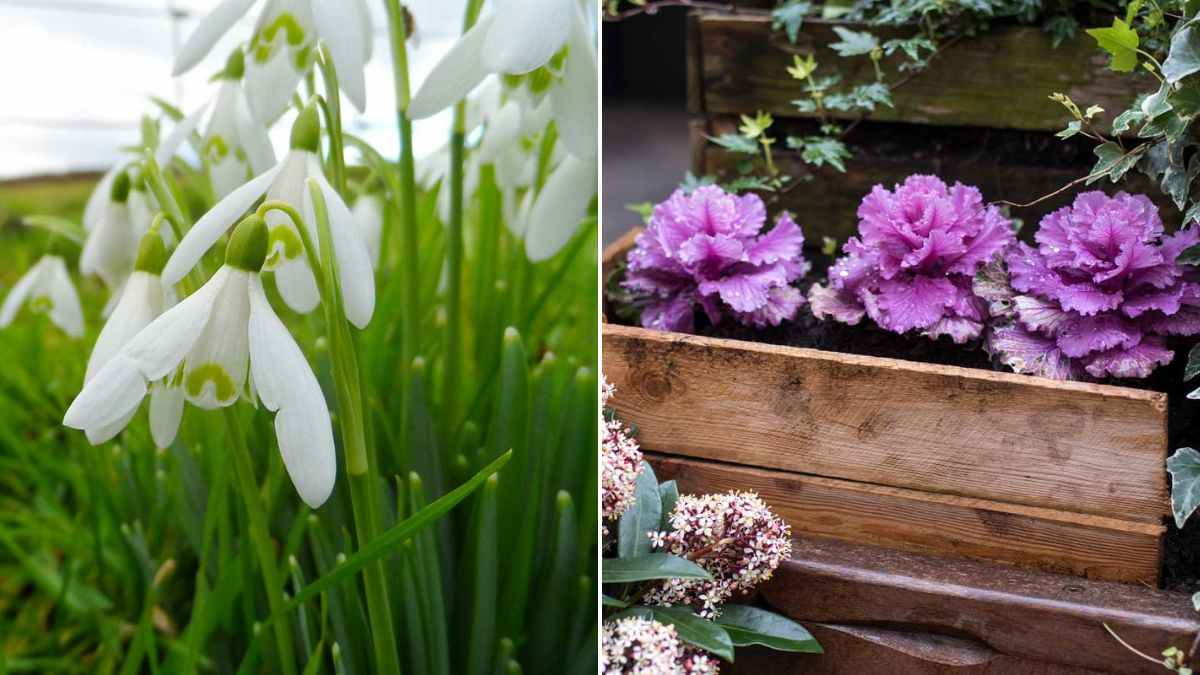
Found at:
(912, 265)
(1098, 294)
(708, 249)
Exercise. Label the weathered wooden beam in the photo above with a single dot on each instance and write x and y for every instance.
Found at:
(1078, 447)
(1040, 617)
(743, 68)
(1085, 545)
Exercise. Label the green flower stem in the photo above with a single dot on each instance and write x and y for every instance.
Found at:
(260, 538)
(162, 193)
(406, 198)
(364, 486)
(333, 121)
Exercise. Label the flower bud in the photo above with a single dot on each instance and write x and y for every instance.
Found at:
(248, 245)
(119, 192)
(306, 130)
(151, 254)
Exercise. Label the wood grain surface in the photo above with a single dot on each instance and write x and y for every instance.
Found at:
(1077, 447)
(911, 520)
(743, 68)
(1020, 614)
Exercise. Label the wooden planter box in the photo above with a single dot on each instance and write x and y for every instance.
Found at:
(1060, 476)
(962, 118)
(905, 484)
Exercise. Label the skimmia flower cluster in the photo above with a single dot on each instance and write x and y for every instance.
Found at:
(912, 265)
(708, 250)
(621, 461)
(734, 536)
(638, 646)
(1099, 293)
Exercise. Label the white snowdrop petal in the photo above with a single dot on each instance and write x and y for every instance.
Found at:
(166, 411)
(286, 384)
(368, 218)
(459, 71)
(65, 310)
(141, 302)
(20, 292)
(167, 149)
(213, 224)
(526, 33)
(215, 367)
(161, 346)
(503, 130)
(355, 272)
(108, 250)
(574, 96)
(116, 389)
(297, 286)
(252, 134)
(270, 85)
(560, 207)
(210, 29)
(106, 433)
(94, 210)
(340, 27)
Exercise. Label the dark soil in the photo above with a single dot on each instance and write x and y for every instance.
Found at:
(1181, 549)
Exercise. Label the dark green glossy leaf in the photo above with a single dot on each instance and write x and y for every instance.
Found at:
(754, 626)
(633, 538)
(652, 566)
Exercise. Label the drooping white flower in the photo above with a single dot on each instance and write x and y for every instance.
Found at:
(235, 144)
(46, 288)
(282, 47)
(141, 301)
(520, 37)
(560, 207)
(109, 248)
(368, 217)
(222, 343)
(287, 182)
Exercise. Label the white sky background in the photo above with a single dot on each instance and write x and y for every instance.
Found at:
(76, 77)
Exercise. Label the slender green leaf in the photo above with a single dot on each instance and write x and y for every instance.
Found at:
(645, 514)
(650, 566)
(753, 626)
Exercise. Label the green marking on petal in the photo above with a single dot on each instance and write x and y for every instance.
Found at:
(263, 43)
(205, 373)
(41, 304)
(216, 148)
(283, 241)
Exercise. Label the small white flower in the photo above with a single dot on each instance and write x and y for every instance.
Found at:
(224, 342)
(368, 218)
(46, 288)
(235, 144)
(560, 206)
(282, 47)
(287, 182)
(109, 248)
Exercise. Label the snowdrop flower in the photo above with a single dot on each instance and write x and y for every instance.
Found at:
(109, 247)
(235, 144)
(283, 46)
(560, 206)
(141, 301)
(287, 182)
(521, 37)
(46, 288)
(368, 218)
(223, 343)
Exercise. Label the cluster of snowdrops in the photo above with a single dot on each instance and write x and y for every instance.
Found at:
(1097, 297)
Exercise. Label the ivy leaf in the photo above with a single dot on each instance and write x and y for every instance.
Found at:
(1193, 365)
(633, 540)
(1126, 120)
(643, 209)
(691, 181)
(1177, 181)
(1184, 467)
(1113, 162)
(854, 43)
(789, 16)
(736, 143)
(869, 95)
(1061, 29)
(753, 626)
(821, 150)
(1184, 57)
(1190, 255)
(1121, 42)
(911, 47)
(1073, 128)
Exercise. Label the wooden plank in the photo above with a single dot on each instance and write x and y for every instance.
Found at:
(744, 69)
(1032, 615)
(853, 650)
(826, 201)
(1073, 446)
(1085, 545)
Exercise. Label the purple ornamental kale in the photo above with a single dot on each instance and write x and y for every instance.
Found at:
(1097, 295)
(708, 249)
(911, 267)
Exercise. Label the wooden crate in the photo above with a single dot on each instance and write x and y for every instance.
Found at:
(1063, 476)
(879, 610)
